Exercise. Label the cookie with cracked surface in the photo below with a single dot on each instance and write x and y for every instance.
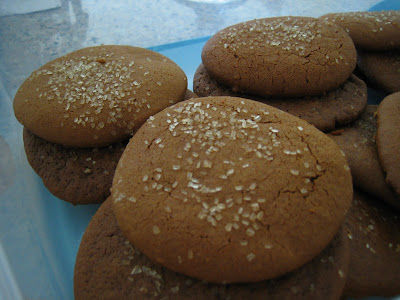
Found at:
(388, 139)
(97, 96)
(357, 141)
(108, 265)
(369, 30)
(280, 57)
(326, 112)
(382, 69)
(75, 175)
(243, 182)
(374, 233)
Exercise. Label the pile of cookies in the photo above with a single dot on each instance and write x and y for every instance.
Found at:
(79, 111)
(237, 194)
(376, 36)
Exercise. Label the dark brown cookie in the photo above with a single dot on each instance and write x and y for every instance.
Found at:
(374, 234)
(281, 57)
(370, 30)
(76, 175)
(382, 69)
(326, 112)
(358, 143)
(109, 267)
(97, 96)
(388, 139)
(219, 179)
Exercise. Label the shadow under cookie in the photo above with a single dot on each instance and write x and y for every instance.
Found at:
(108, 265)
(76, 175)
(326, 112)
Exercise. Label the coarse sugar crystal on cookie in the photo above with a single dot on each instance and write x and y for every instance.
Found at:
(374, 233)
(281, 56)
(369, 30)
(230, 190)
(388, 139)
(109, 265)
(97, 96)
(326, 112)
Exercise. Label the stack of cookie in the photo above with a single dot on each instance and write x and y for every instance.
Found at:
(376, 36)
(79, 111)
(300, 65)
(226, 198)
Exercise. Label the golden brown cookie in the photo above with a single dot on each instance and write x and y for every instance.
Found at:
(374, 234)
(388, 139)
(335, 108)
(97, 96)
(382, 69)
(357, 141)
(281, 57)
(370, 30)
(214, 180)
(108, 266)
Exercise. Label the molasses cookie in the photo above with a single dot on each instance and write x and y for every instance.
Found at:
(216, 180)
(97, 96)
(388, 139)
(280, 57)
(370, 30)
(358, 143)
(109, 267)
(374, 234)
(76, 175)
(382, 69)
(340, 106)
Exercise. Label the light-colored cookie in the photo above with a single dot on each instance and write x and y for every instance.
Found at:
(97, 96)
(216, 180)
(281, 57)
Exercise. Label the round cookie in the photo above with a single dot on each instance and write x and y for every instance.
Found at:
(75, 175)
(388, 139)
(374, 233)
(108, 265)
(382, 69)
(358, 143)
(243, 182)
(97, 96)
(280, 57)
(335, 108)
(369, 30)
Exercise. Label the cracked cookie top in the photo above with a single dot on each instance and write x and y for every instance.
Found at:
(226, 189)
(97, 96)
(281, 56)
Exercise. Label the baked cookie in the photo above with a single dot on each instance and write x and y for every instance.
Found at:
(358, 143)
(382, 69)
(335, 108)
(108, 265)
(388, 139)
(75, 175)
(281, 57)
(370, 30)
(97, 96)
(374, 234)
(219, 179)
